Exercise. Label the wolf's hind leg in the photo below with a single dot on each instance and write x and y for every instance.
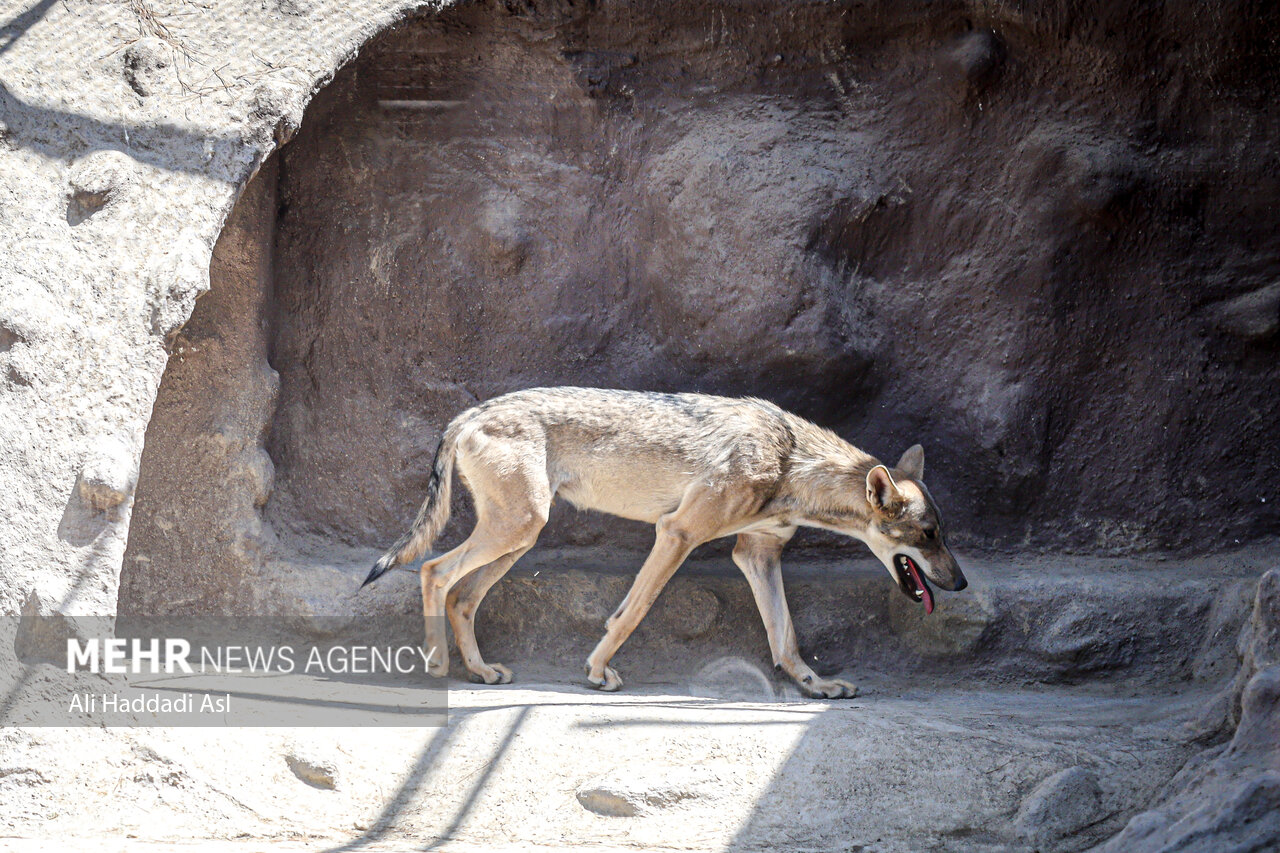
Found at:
(508, 481)
(759, 555)
(490, 541)
(461, 604)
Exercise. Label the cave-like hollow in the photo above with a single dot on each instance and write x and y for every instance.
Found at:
(889, 223)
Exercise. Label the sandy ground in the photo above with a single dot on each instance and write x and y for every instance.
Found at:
(541, 764)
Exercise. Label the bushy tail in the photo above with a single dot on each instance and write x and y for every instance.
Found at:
(432, 516)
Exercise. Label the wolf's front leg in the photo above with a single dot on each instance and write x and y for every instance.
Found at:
(759, 555)
(672, 545)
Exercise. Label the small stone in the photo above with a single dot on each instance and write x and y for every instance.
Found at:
(96, 181)
(1060, 805)
(602, 801)
(637, 794)
(146, 65)
(1254, 316)
(316, 771)
(109, 474)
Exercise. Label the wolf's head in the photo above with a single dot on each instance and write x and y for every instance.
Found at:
(905, 530)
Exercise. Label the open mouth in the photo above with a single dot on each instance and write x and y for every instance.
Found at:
(912, 582)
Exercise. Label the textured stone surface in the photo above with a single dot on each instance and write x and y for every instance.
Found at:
(109, 474)
(1065, 803)
(908, 237)
(508, 772)
(489, 199)
(198, 540)
(110, 204)
(1228, 797)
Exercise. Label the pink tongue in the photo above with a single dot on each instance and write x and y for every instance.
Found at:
(915, 576)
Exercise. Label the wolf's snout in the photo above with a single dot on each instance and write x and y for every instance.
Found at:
(955, 578)
(949, 576)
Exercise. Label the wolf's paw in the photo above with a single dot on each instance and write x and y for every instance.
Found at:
(822, 688)
(609, 681)
(438, 664)
(494, 673)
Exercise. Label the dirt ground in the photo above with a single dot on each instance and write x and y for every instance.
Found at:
(547, 764)
(704, 749)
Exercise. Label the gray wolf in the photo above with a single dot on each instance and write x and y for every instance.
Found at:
(695, 466)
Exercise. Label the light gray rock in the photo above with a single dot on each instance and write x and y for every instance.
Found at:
(148, 66)
(1066, 802)
(97, 181)
(316, 770)
(637, 792)
(109, 474)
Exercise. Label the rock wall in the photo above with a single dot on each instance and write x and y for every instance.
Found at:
(1038, 240)
(1018, 240)
(891, 223)
(197, 541)
(123, 147)
(1228, 796)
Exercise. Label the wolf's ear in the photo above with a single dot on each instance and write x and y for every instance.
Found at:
(912, 462)
(882, 492)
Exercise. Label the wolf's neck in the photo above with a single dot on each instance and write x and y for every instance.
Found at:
(827, 476)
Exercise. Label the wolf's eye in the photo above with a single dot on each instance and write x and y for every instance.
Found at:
(931, 533)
